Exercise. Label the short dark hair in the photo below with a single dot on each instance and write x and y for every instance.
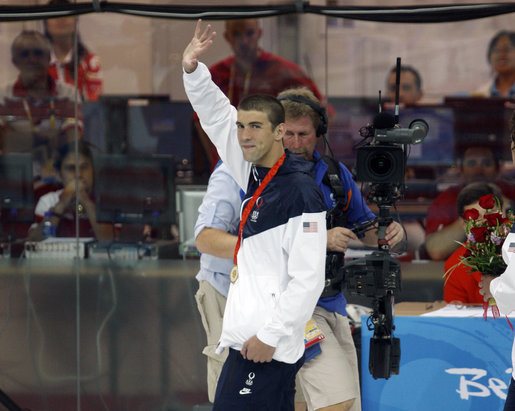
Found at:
(495, 39)
(473, 192)
(409, 69)
(266, 104)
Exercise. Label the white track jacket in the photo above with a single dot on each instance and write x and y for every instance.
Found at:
(281, 261)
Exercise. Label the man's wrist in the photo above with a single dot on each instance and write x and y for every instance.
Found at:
(190, 69)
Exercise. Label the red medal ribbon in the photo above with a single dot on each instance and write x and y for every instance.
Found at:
(495, 312)
(485, 309)
(246, 211)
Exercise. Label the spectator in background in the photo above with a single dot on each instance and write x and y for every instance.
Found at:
(61, 32)
(251, 70)
(443, 225)
(501, 57)
(462, 285)
(37, 114)
(410, 87)
(61, 203)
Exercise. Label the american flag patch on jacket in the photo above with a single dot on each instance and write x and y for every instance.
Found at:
(310, 227)
(511, 248)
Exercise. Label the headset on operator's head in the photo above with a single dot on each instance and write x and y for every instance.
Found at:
(322, 125)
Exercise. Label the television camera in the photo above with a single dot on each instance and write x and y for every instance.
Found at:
(381, 162)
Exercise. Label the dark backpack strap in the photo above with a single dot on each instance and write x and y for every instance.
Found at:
(333, 180)
(335, 217)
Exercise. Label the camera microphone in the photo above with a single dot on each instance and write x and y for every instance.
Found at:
(383, 121)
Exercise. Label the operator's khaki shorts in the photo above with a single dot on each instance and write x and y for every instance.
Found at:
(332, 376)
(211, 305)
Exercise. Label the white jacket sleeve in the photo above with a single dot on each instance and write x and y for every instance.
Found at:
(503, 287)
(306, 249)
(218, 119)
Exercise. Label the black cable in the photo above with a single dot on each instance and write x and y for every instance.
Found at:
(9, 403)
(443, 13)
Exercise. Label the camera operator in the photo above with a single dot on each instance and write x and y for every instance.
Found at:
(330, 380)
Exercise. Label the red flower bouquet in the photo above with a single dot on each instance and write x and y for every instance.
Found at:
(485, 236)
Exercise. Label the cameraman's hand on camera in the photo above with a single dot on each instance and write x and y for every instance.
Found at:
(338, 239)
(394, 234)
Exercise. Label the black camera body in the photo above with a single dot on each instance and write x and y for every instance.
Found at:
(380, 163)
(384, 159)
(377, 275)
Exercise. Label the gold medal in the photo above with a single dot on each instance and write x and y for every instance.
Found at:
(234, 274)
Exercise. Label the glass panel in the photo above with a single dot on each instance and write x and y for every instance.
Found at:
(105, 318)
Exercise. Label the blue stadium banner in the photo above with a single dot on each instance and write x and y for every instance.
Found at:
(446, 364)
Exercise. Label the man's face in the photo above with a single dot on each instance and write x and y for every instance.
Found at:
(409, 93)
(300, 136)
(32, 58)
(502, 57)
(256, 137)
(478, 165)
(243, 36)
(85, 171)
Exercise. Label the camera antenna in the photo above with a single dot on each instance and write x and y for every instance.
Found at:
(397, 85)
(380, 102)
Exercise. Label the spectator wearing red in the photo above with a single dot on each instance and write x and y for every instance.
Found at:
(61, 32)
(462, 285)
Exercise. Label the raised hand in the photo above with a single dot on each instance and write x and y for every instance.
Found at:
(200, 42)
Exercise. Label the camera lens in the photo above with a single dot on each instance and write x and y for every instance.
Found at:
(380, 164)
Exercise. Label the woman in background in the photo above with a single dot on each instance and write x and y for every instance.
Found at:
(501, 56)
(61, 32)
(61, 203)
